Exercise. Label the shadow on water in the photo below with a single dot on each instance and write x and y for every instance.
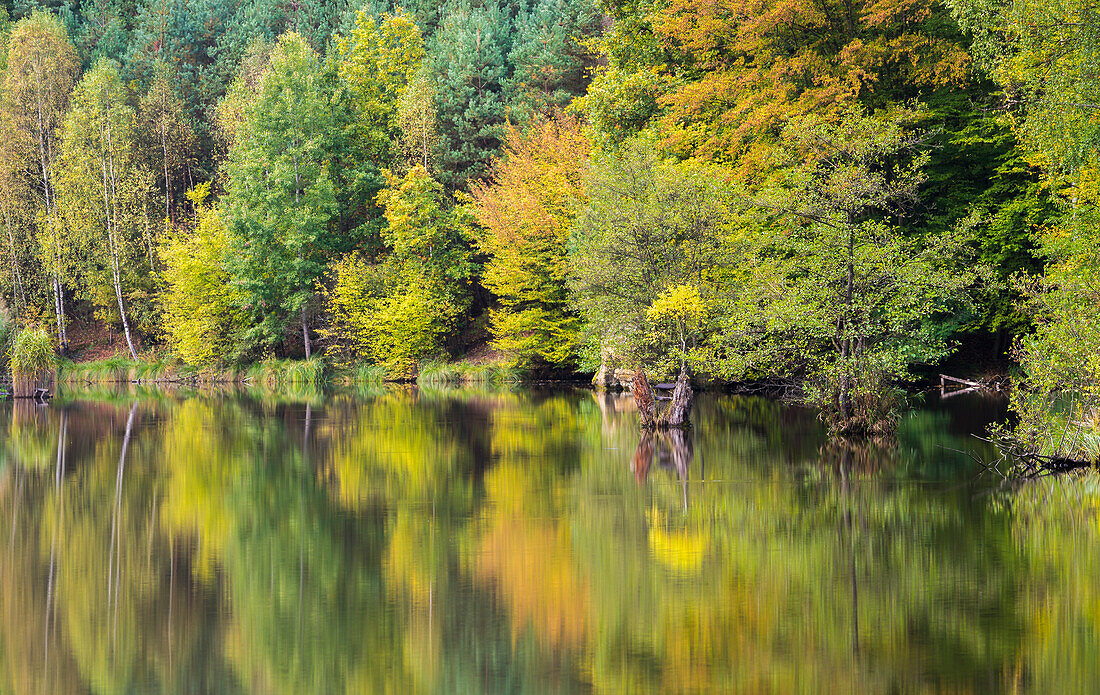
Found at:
(405, 540)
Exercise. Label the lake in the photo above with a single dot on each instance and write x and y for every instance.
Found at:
(465, 541)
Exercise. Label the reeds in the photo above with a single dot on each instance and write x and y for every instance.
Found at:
(277, 373)
(438, 374)
(33, 361)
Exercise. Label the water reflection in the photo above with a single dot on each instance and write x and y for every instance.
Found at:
(464, 541)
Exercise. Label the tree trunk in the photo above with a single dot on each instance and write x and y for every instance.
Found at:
(17, 279)
(59, 310)
(643, 398)
(679, 413)
(305, 334)
(110, 210)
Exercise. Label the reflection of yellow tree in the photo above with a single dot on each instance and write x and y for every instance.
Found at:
(394, 448)
(303, 579)
(794, 578)
(33, 435)
(1057, 527)
(524, 548)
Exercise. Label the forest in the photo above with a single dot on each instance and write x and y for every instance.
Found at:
(843, 192)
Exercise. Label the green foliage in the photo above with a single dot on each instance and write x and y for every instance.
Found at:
(652, 224)
(1043, 54)
(8, 330)
(279, 373)
(1058, 400)
(281, 199)
(374, 64)
(551, 56)
(849, 300)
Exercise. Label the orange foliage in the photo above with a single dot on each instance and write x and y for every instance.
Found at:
(532, 569)
(752, 64)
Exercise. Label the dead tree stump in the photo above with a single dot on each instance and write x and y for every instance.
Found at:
(643, 398)
(679, 412)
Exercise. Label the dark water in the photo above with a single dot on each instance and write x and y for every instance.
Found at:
(477, 542)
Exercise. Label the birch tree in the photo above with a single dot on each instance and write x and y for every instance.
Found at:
(167, 137)
(42, 68)
(100, 184)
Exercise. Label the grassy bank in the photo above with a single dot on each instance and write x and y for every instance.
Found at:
(462, 372)
(278, 374)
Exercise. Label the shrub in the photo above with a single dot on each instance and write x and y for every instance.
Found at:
(33, 360)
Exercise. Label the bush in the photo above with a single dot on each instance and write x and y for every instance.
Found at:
(33, 360)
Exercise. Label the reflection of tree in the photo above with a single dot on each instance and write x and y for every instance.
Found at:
(419, 541)
(1057, 528)
(763, 583)
(130, 622)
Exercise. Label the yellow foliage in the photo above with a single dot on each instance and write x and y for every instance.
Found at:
(200, 303)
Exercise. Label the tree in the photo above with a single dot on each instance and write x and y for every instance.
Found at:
(15, 201)
(1044, 55)
(241, 95)
(650, 225)
(719, 79)
(399, 312)
(527, 210)
(167, 137)
(847, 299)
(679, 316)
(280, 199)
(42, 68)
(200, 304)
(100, 183)
(374, 63)
(416, 119)
(550, 56)
(468, 59)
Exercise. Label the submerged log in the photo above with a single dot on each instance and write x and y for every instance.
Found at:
(643, 398)
(679, 412)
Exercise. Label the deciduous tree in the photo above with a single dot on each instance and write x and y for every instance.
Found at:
(100, 183)
(42, 69)
(281, 200)
(527, 210)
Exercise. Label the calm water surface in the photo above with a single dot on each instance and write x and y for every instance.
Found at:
(410, 541)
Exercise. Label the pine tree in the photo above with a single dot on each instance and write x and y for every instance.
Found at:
(549, 57)
(468, 60)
